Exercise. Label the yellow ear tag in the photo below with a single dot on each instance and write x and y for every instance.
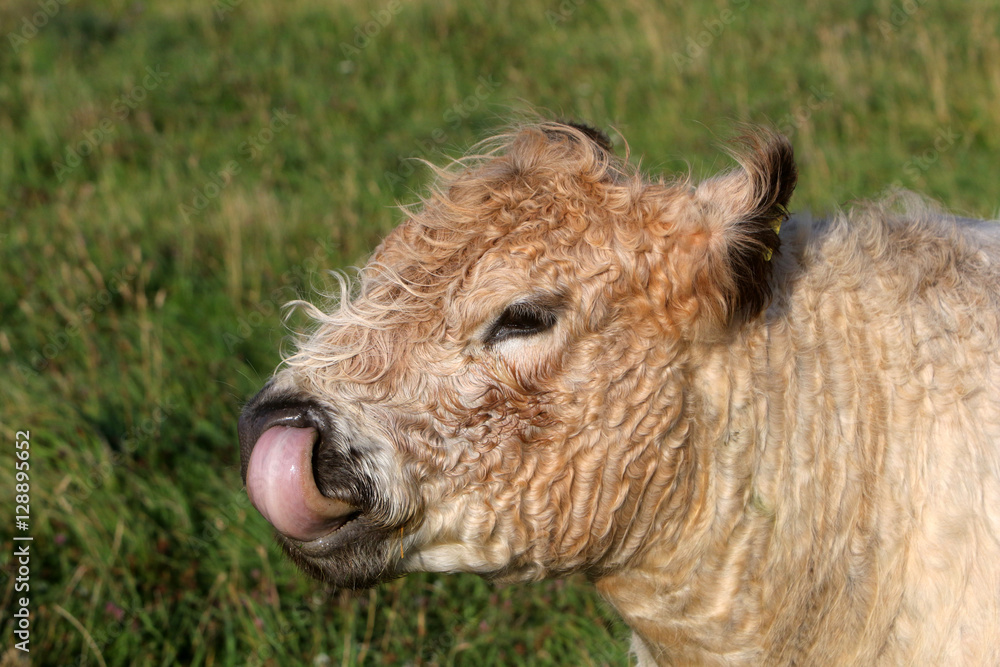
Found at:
(776, 226)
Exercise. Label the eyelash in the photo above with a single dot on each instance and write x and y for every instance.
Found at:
(521, 320)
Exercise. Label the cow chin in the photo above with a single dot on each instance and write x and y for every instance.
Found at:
(358, 555)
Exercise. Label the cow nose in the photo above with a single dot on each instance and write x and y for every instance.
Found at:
(257, 417)
(277, 439)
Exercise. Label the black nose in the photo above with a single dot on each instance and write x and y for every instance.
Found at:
(268, 409)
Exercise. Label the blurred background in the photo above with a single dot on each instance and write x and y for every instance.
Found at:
(172, 172)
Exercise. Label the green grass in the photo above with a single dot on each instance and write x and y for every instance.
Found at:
(170, 174)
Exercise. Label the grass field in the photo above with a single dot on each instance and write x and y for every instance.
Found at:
(172, 172)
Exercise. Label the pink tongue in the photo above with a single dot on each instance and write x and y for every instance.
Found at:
(281, 486)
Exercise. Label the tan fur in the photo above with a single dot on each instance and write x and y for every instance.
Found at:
(814, 483)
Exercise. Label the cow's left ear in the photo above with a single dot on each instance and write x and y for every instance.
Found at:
(741, 211)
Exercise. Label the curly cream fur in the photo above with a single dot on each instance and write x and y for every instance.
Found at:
(817, 482)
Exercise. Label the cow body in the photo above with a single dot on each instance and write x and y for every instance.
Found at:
(849, 508)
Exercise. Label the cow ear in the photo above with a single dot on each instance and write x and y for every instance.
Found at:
(741, 212)
(599, 137)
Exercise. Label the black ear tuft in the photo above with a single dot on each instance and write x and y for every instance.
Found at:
(769, 163)
(749, 205)
(592, 133)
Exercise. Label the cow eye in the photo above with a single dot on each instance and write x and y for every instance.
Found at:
(523, 319)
